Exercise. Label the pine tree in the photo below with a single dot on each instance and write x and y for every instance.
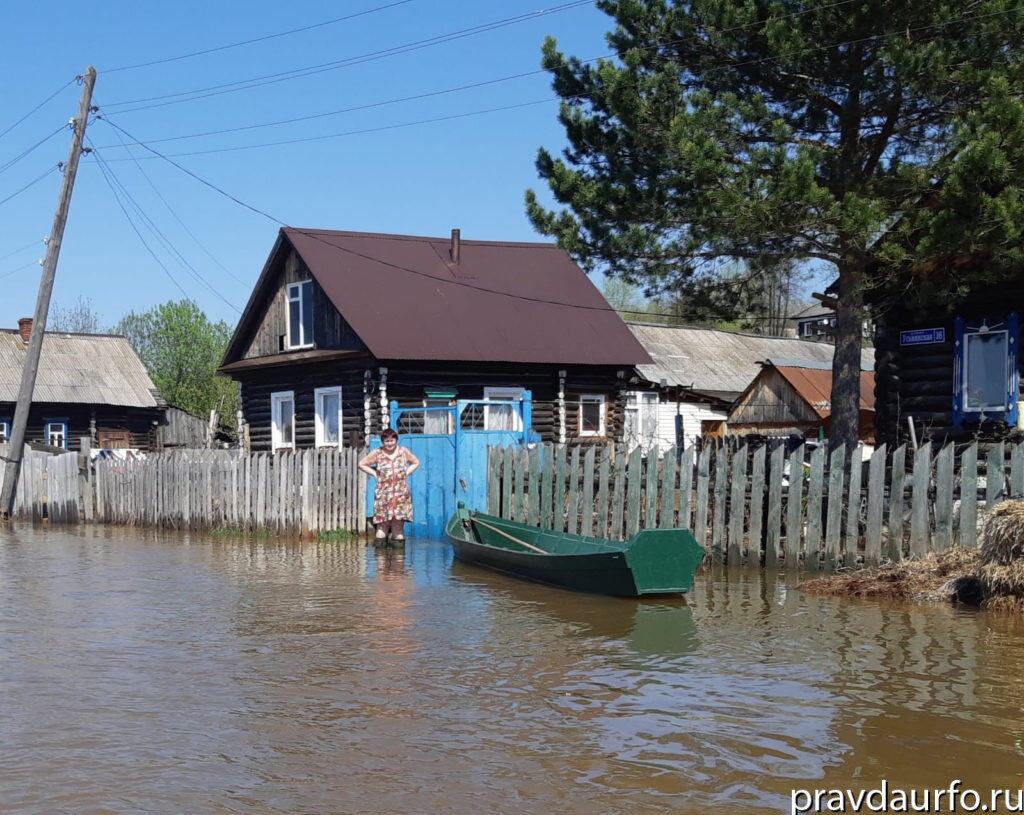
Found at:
(879, 136)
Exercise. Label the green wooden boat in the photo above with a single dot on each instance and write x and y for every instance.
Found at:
(653, 561)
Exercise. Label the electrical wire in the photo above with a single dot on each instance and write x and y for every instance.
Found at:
(21, 249)
(19, 269)
(115, 184)
(37, 107)
(483, 83)
(255, 82)
(326, 114)
(178, 219)
(256, 39)
(342, 134)
(33, 148)
(27, 186)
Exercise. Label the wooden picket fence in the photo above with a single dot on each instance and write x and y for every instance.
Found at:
(48, 486)
(743, 506)
(289, 493)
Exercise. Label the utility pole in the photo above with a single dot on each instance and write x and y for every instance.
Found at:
(35, 342)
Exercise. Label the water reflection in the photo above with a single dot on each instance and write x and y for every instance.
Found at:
(153, 673)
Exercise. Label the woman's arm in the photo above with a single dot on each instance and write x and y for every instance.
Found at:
(414, 462)
(367, 462)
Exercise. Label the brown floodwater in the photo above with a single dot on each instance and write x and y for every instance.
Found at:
(156, 673)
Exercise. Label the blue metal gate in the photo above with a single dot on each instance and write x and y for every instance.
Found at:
(451, 443)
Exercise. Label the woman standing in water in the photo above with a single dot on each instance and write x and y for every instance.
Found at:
(391, 465)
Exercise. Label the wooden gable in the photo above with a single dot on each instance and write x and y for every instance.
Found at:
(771, 400)
(330, 330)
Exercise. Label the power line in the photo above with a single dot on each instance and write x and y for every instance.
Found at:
(257, 39)
(255, 82)
(30, 184)
(30, 150)
(313, 234)
(21, 249)
(175, 215)
(115, 185)
(325, 137)
(484, 83)
(367, 106)
(20, 269)
(37, 107)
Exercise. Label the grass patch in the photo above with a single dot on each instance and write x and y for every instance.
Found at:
(335, 536)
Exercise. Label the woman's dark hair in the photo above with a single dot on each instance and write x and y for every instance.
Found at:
(389, 434)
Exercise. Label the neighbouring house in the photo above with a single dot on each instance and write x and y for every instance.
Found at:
(342, 327)
(816, 322)
(948, 363)
(793, 398)
(696, 374)
(91, 386)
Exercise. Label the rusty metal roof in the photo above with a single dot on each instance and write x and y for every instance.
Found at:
(721, 363)
(515, 302)
(814, 385)
(95, 369)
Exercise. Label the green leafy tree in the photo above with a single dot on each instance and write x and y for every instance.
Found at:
(870, 135)
(181, 350)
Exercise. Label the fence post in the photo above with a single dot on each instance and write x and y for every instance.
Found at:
(834, 518)
(815, 490)
(718, 516)
(919, 532)
(794, 508)
(894, 544)
(737, 501)
(969, 496)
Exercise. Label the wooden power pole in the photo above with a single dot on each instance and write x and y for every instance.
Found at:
(35, 342)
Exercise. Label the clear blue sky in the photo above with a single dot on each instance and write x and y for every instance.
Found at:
(423, 178)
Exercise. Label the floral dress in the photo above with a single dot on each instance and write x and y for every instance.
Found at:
(391, 498)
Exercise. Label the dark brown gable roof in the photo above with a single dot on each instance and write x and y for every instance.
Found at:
(516, 302)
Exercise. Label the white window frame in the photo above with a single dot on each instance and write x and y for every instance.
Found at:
(277, 399)
(62, 433)
(504, 394)
(294, 294)
(1004, 385)
(636, 404)
(318, 401)
(600, 400)
(5, 431)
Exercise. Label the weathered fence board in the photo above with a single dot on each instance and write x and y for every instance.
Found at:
(291, 493)
(830, 512)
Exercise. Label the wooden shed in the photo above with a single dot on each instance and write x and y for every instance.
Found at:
(793, 398)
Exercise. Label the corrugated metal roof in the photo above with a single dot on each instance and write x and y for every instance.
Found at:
(78, 369)
(515, 302)
(720, 362)
(815, 387)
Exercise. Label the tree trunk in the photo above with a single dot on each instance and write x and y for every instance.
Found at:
(846, 361)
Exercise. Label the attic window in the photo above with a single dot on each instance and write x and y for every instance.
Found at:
(300, 314)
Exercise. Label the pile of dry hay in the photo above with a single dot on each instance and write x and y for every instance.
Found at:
(991, 575)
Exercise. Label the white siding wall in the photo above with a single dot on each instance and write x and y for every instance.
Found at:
(693, 414)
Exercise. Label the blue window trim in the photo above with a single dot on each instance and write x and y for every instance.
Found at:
(46, 430)
(5, 426)
(963, 328)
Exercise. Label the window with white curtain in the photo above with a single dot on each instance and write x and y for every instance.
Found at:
(328, 416)
(282, 420)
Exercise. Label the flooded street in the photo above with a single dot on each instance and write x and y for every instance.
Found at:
(151, 673)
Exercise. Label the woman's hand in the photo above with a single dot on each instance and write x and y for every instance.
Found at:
(414, 463)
